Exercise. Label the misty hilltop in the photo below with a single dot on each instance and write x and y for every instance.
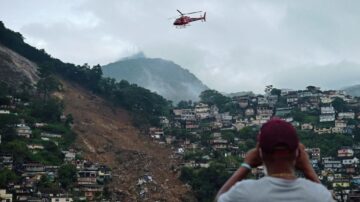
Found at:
(353, 90)
(162, 76)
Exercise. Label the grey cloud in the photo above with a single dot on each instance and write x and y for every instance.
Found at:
(244, 45)
(331, 76)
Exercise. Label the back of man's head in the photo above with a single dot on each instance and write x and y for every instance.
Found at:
(278, 140)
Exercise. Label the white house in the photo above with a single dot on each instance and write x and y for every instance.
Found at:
(346, 115)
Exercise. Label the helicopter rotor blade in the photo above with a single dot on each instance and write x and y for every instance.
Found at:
(172, 18)
(180, 12)
(192, 12)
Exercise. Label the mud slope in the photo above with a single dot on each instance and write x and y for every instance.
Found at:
(106, 135)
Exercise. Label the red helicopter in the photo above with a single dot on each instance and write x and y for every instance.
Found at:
(184, 20)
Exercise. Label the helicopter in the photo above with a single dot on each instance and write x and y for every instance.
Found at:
(184, 20)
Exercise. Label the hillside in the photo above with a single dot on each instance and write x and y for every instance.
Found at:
(106, 135)
(164, 77)
(353, 90)
(15, 69)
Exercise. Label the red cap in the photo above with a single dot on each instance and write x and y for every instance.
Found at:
(277, 132)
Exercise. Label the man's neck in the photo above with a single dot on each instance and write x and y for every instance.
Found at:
(281, 170)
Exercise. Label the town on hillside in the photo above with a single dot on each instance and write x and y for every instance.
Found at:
(212, 136)
(37, 160)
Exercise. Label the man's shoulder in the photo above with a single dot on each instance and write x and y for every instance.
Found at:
(317, 188)
(239, 192)
(311, 184)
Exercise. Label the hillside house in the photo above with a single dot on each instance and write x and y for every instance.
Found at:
(262, 118)
(202, 111)
(343, 183)
(239, 125)
(243, 102)
(304, 106)
(325, 99)
(23, 130)
(332, 165)
(249, 112)
(323, 130)
(188, 115)
(6, 161)
(283, 111)
(50, 135)
(351, 162)
(346, 115)
(91, 190)
(34, 147)
(170, 139)
(305, 93)
(184, 114)
(164, 121)
(345, 152)
(34, 168)
(340, 124)
(338, 130)
(156, 133)
(327, 110)
(191, 125)
(4, 111)
(327, 117)
(214, 110)
(177, 112)
(69, 156)
(292, 99)
(62, 199)
(314, 153)
(264, 110)
(291, 120)
(285, 92)
(272, 100)
(86, 177)
(104, 174)
(40, 125)
(314, 102)
(5, 197)
(340, 127)
(261, 100)
(307, 126)
(219, 143)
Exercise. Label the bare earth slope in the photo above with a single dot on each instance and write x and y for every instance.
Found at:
(106, 135)
(15, 69)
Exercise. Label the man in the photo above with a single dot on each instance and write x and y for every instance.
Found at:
(281, 152)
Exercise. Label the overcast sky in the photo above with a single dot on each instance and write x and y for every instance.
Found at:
(244, 45)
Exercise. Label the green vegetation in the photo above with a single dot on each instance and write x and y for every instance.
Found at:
(205, 182)
(328, 143)
(339, 105)
(67, 175)
(6, 177)
(212, 97)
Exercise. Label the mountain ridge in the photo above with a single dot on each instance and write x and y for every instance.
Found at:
(162, 76)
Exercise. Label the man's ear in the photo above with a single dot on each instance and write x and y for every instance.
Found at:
(297, 153)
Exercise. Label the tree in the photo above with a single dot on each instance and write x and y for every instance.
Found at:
(47, 85)
(7, 176)
(339, 105)
(183, 104)
(213, 97)
(67, 175)
(275, 91)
